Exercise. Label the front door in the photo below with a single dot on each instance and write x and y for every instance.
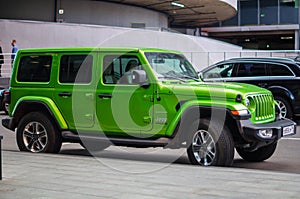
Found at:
(123, 106)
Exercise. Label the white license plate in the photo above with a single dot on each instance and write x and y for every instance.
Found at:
(288, 130)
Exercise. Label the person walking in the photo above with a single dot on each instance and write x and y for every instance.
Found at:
(1, 59)
(14, 50)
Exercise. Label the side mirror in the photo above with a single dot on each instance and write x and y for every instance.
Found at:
(140, 77)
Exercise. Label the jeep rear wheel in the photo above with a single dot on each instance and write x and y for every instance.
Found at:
(258, 155)
(36, 133)
(210, 144)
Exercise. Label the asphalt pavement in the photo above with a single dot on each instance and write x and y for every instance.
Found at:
(121, 172)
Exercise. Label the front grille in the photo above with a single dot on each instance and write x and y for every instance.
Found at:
(264, 107)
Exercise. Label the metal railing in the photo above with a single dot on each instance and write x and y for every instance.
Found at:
(6, 67)
(199, 59)
(203, 59)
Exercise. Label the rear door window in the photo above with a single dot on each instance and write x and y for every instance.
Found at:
(76, 69)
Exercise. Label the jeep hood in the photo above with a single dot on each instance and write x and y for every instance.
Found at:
(214, 89)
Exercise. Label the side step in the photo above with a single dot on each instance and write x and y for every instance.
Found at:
(160, 142)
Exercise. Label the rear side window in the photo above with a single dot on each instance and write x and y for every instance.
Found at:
(251, 69)
(34, 69)
(279, 70)
(76, 68)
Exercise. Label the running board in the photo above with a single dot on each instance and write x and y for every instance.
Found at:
(160, 142)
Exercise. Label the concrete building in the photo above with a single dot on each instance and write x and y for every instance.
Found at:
(147, 23)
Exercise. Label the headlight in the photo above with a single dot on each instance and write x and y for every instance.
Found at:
(248, 103)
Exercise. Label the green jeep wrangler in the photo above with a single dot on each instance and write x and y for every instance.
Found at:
(139, 97)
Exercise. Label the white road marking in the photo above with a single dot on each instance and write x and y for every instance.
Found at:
(297, 139)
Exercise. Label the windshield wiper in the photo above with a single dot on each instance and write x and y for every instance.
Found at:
(190, 77)
(173, 77)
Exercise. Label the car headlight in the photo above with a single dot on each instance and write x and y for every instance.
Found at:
(250, 104)
(247, 102)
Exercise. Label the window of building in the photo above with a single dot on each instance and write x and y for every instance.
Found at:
(268, 12)
(138, 25)
(34, 69)
(290, 7)
(249, 12)
(76, 69)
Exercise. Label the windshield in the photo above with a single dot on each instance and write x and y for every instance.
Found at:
(171, 66)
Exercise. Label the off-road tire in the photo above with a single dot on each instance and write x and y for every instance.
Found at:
(37, 133)
(213, 140)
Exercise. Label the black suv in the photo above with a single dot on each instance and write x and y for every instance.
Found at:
(280, 75)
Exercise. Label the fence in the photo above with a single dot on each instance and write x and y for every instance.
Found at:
(199, 59)
(203, 59)
(6, 67)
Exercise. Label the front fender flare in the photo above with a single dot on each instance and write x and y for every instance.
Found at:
(214, 109)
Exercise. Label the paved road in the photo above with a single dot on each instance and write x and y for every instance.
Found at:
(285, 159)
(120, 172)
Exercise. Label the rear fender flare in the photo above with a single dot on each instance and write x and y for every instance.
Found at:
(47, 103)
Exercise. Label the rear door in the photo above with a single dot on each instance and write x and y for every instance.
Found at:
(74, 93)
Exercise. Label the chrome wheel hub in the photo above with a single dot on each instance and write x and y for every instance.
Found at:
(204, 147)
(35, 137)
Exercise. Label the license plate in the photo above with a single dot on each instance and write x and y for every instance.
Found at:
(288, 130)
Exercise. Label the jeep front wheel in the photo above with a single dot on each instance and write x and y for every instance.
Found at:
(36, 133)
(210, 144)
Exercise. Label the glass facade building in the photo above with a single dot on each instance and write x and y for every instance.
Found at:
(265, 12)
(278, 14)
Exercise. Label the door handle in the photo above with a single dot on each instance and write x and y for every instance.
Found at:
(104, 95)
(65, 94)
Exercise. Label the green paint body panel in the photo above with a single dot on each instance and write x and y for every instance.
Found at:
(130, 110)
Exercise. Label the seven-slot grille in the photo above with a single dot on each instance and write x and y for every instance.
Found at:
(264, 108)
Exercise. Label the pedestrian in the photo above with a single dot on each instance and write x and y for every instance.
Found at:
(1, 59)
(14, 50)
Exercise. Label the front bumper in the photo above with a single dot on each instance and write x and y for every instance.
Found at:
(279, 128)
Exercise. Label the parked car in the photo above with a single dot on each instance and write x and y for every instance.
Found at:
(138, 97)
(279, 75)
(3, 100)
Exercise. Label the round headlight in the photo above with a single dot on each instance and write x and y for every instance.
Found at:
(248, 103)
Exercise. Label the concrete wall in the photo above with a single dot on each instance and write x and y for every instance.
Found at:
(30, 34)
(81, 11)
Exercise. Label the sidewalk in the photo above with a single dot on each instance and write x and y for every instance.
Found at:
(27, 175)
